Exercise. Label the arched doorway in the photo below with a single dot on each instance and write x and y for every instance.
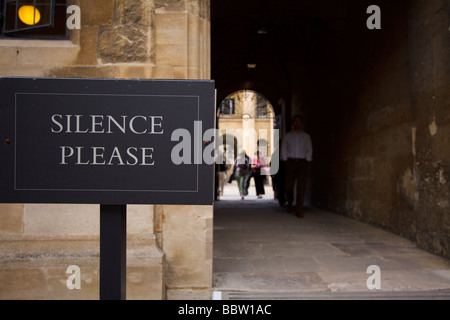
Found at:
(247, 118)
(247, 122)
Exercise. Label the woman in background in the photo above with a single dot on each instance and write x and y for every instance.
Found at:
(258, 163)
(241, 171)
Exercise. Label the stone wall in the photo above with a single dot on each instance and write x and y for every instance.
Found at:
(139, 39)
(382, 146)
(429, 56)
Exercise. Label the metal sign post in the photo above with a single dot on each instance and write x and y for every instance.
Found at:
(113, 244)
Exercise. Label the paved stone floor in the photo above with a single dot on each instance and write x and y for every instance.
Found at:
(262, 252)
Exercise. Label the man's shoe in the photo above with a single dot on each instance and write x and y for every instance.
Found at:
(289, 208)
(300, 215)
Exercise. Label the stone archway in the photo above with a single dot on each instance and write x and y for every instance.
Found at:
(247, 116)
(372, 99)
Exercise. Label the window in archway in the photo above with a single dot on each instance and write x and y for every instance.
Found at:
(246, 104)
(261, 107)
(227, 106)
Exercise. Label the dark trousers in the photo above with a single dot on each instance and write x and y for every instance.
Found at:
(278, 184)
(259, 183)
(296, 171)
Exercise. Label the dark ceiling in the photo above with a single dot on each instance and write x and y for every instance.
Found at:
(273, 35)
(276, 36)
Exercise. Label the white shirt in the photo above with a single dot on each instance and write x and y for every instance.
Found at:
(296, 145)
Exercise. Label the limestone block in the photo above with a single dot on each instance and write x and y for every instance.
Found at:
(145, 260)
(139, 219)
(134, 12)
(171, 39)
(181, 73)
(124, 44)
(46, 252)
(8, 54)
(56, 284)
(128, 39)
(97, 13)
(47, 53)
(194, 42)
(35, 268)
(22, 284)
(56, 219)
(187, 244)
(132, 71)
(22, 71)
(171, 27)
(11, 217)
(81, 72)
(189, 294)
(160, 72)
(170, 5)
(145, 283)
(200, 8)
(145, 268)
(170, 55)
(88, 40)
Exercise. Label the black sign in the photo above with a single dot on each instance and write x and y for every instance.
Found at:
(106, 141)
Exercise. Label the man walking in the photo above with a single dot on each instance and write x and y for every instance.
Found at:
(296, 151)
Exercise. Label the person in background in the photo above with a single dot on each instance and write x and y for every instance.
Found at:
(296, 152)
(223, 167)
(278, 180)
(257, 164)
(241, 171)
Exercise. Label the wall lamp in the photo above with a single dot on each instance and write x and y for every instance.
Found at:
(29, 15)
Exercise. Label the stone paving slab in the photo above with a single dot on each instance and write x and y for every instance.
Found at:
(258, 247)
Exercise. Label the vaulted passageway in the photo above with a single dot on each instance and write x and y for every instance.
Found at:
(375, 100)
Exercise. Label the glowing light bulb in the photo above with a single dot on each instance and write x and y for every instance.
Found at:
(29, 15)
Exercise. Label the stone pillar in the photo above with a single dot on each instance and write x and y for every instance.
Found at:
(146, 264)
(249, 136)
(182, 40)
(187, 244)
